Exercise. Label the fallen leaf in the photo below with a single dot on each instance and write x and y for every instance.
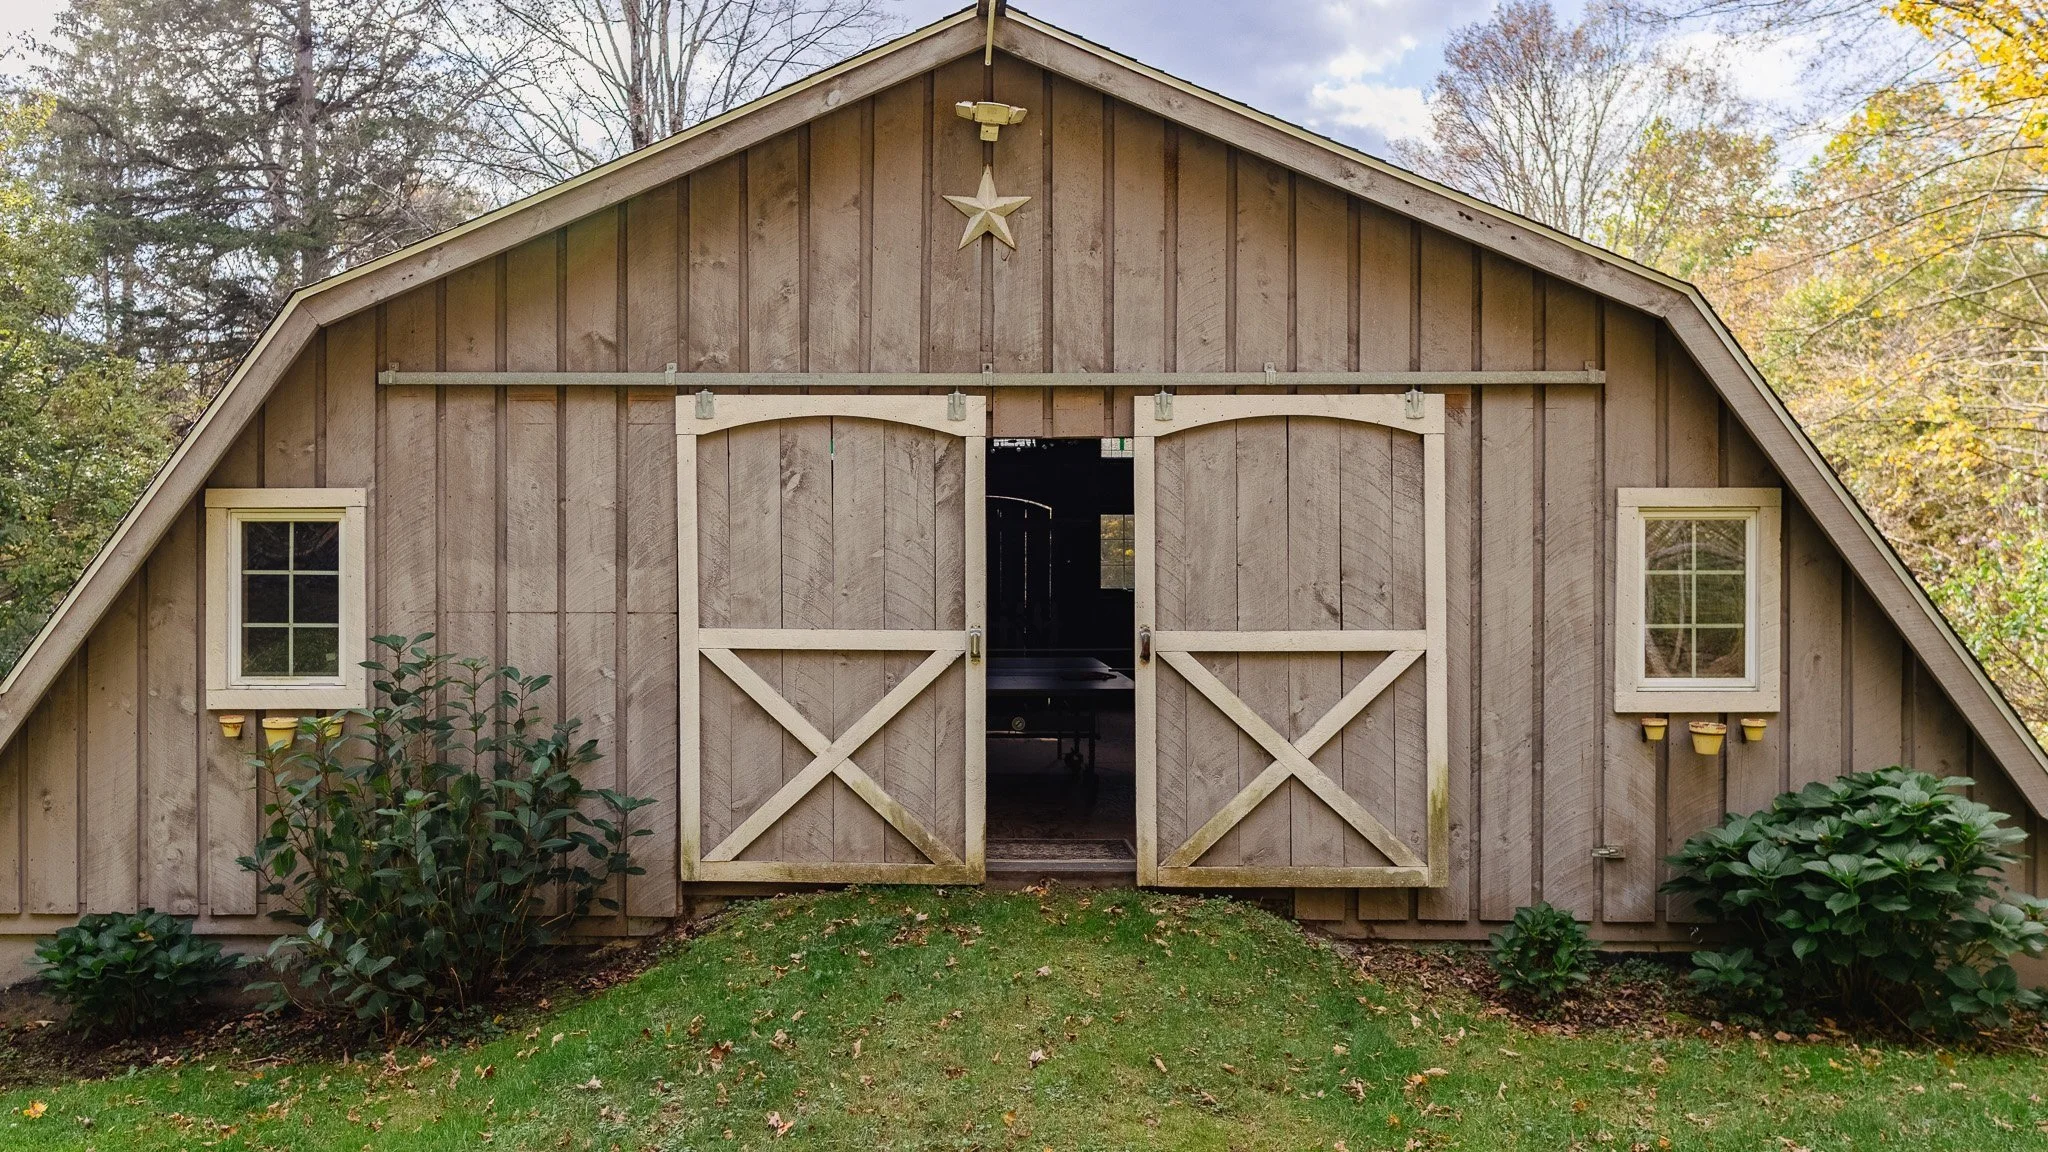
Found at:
(591, 1085)
(1009, 1119)
(778, 1125)
(1159, 1064)
(35, 1110)
(1046, 970)
(1037, 1057)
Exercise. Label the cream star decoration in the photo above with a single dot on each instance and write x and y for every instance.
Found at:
(986, 211)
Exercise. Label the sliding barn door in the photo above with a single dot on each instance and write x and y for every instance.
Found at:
(1290, 601)
(831, 657)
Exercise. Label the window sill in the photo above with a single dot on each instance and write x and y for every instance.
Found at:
(287, 697)
(1751, 701)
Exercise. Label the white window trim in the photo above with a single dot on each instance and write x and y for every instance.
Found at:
(1758, 693)
(226, 688)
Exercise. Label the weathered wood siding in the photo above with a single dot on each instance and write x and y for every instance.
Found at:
(537, 525)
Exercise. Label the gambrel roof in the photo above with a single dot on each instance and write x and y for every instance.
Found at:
(1691, 320)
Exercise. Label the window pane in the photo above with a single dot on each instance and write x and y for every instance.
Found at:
(1721, 544)
(266, 652)
(1720, 652)
(316, 651)
(266, 599)
(1667, 545)
(1118, 555)
(1721, 600)
(266, 545)
(315, 599)
(1670, 598)
(1667, 652)
(316, 544)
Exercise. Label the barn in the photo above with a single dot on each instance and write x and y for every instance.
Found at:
(994, 456)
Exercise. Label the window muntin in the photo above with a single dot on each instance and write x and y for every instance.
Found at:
(1698, 592)
(290, 596)
(1119, 556)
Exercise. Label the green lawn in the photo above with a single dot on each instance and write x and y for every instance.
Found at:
(882, 1019)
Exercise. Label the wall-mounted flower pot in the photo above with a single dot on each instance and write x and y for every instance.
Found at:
(1707, 736)
(1753, 728)
(1654, 727)
(330, 727)
(231, 725)
(277, 731)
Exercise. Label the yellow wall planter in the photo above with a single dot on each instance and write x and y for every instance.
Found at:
(1654, 727)
(277, 731)
(1707, 736)
(231, 725)
(1753, 728)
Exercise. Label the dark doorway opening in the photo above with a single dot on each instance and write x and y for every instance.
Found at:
(1061, 754)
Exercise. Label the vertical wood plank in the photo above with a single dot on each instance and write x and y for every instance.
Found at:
(1173, 763)
(532, 442)
(1315, 682)
(408, 520)
(1138, 236)
(1266, 835)
(112, 780)
(290, 450)
(896, 255)
(1080, 238)
(1017, 319)
(1386, 290)
(834, 290)
(50, 781)
(1322, 277)
(170, 758)
(653, 308)
(590, 421)
(1200, 256)
(1877, 739)
(1507, 581)
(1813, 642)
(468, 457)
(954, 274)
(1694, 784)
(1209, 482)
(648, 743)
(1574, 711)
(1941, 740)
(715, 337)
(1446, 307)
(11, 772)
(1371, 744)
(909, 599)
(1265, 207)
(774, 275)
(1628, 784)
(751, 594)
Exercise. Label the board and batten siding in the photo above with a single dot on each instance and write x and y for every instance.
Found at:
(536, 525)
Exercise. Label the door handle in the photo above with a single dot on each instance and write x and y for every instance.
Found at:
(974, 644)
(1145, 643)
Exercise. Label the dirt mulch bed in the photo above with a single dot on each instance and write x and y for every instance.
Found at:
(36, 1050)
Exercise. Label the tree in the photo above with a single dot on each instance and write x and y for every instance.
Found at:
(566, 85)
(1597, 131)
(80, 432)
(221, 153)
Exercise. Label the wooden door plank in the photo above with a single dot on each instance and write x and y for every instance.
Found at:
(1368, 583)
(1265, 837)
(910, 761)
(170, 760)
(1209, 479)
(1507, 615)
(1629, 764)
(1445, 314)
(808, 448)
(1575, 708)
(112, 780)
(859, 576)
(1165, 762)
(753, 595)
(1314, 604)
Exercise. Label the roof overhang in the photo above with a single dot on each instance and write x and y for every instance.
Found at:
(1692, 321)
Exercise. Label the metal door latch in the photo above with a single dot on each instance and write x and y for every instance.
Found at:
(706, 403)
(1145, 643)
(974, 644)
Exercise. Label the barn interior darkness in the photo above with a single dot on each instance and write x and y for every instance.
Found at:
(1060, 574)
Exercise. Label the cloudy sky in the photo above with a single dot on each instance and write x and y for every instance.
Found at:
(1353, 69)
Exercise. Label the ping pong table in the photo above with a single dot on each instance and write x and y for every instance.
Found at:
(1057, 698)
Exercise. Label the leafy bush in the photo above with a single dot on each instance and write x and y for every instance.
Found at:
(128, 971)
(1543, 953)
(433, 850)
(1877, 890)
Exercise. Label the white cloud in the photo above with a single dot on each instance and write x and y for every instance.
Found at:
(1391, 111)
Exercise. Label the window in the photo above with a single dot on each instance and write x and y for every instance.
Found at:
(285, 598)
(1697, 603)
(1119, 553)
(1117, 448)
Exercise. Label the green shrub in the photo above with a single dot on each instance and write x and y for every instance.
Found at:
(430, 846)
(1543, 954)
(129, 971)
(1864, 895)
